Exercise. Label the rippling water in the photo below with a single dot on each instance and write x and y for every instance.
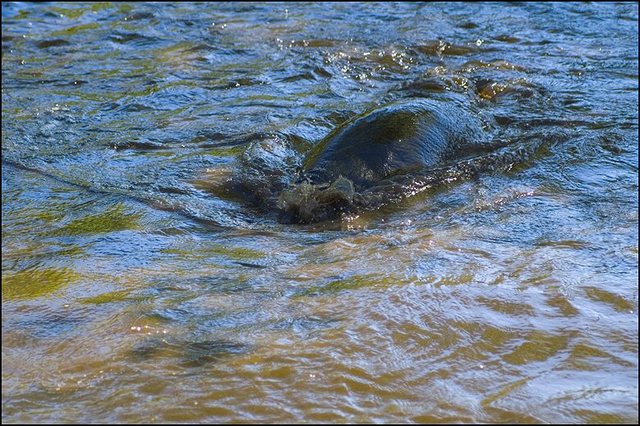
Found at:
(134, 290)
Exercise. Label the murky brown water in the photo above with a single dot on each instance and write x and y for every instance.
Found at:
(133, 291)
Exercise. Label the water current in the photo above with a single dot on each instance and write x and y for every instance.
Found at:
(136, 289)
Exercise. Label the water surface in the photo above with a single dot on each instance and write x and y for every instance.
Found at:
(134, 291)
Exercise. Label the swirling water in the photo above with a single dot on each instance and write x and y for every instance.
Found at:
(134, 291)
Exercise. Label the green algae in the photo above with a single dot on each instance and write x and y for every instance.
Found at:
(34, 283)
(113, 220)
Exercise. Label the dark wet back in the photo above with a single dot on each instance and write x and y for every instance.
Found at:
(396, 138)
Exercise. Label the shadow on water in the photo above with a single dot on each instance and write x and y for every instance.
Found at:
(190, 353)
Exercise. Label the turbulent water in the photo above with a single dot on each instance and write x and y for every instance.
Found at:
(136, 288)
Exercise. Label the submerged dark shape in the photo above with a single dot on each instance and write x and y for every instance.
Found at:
(380, 157)
(402, 138)
(397, 138)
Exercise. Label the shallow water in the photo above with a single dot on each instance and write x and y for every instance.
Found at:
(133, 291)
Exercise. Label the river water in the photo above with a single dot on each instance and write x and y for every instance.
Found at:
(135, 290)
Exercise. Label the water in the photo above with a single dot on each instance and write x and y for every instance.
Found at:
(134, 289)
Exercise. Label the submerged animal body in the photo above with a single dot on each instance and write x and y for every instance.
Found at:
(394, 139)
(406, 137)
